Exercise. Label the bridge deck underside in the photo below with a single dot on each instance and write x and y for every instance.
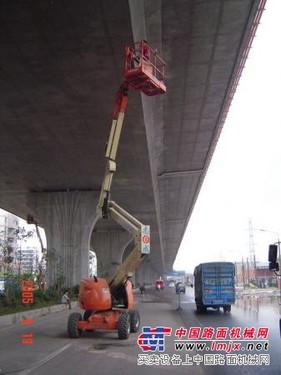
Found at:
(61, 65)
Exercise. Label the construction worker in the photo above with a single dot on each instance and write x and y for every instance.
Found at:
(145, 50)
(145, 54)
(66, 300)
(142, 288)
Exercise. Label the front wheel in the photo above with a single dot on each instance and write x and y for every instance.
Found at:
(73, 331)
(134, 321)
(201, 309)
(124, 326)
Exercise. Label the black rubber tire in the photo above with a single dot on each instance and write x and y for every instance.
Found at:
(72, 329)
(201, 309)
(124, 326)
(227, 309)
(134, 321)
(87, 314)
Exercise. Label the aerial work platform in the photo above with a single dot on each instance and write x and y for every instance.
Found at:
(144, 69)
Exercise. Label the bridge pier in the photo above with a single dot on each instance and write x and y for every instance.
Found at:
(109, 246)
(145, 273)
(68, 219)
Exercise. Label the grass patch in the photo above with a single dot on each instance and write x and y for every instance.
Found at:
(21, 308)
(10, 301)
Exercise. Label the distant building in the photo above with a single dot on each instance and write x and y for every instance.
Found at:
(92, 263)
(27, 259)
(8, 237)
(258, 274)
(175, 276)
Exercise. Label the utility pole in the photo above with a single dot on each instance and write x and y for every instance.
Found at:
(278, 276)
(252, 252)
(243, 273)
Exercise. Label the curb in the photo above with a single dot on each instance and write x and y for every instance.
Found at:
(10, 319)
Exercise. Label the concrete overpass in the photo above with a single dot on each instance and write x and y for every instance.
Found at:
(61, 65)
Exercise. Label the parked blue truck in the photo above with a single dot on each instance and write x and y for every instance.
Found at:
(214, 284)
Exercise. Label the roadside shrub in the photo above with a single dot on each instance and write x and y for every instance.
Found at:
(52, 295)
(3, 300)
(38, 296)
(75, 291)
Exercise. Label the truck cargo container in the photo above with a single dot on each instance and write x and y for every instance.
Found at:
(214, 286)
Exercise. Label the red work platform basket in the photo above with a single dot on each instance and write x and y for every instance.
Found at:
(144, 69)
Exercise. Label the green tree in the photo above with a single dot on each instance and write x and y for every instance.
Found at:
(22, 235)
(7, 257)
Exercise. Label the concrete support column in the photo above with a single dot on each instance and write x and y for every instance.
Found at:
(145, 273)
(140, 274)
(153, 275)
(68, 219)
(109, 247)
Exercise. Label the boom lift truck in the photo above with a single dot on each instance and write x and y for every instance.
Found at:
(109, 305)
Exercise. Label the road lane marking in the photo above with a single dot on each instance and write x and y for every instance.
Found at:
(44, 360)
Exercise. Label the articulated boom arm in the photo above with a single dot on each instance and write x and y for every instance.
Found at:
(119, 108)
(141, 235)
(107, 208)
(144, 71)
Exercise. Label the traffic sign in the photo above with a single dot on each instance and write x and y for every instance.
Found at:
(145, 239)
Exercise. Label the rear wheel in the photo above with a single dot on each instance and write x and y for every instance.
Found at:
(134, 321)
(227, 308)
(124, 326)
(72, 328)
(87, 314)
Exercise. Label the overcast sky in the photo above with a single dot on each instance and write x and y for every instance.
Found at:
(244, 179)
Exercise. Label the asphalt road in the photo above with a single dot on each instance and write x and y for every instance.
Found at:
(52, 351)
(246, 316)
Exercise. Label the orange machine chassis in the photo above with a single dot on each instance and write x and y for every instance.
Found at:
(106, 320)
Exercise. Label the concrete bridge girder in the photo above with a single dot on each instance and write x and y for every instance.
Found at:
(57, 90)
